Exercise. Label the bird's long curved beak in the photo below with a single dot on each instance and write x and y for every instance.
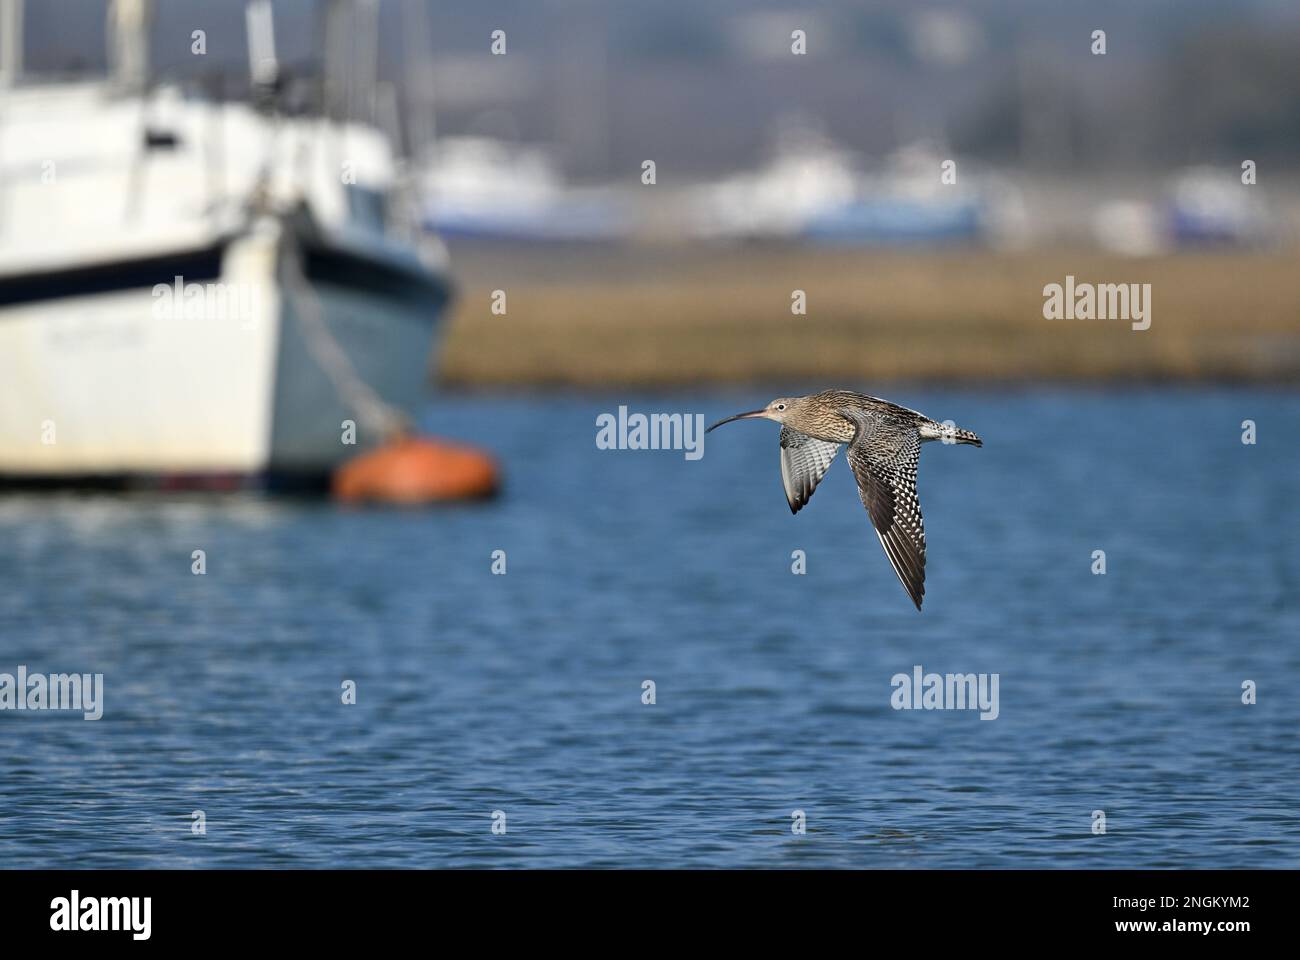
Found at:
(739, 416)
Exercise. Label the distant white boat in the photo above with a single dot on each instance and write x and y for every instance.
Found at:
(1209, 207)
(797, 185)
(483, 188)
(1198, 208)
(199, 291)
(812, 191)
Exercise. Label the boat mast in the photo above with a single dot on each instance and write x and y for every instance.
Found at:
(351, 59)
(417, 62)
(128, 44)
(263, 68)
(11, 42)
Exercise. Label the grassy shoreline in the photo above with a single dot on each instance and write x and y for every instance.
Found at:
(722, 315)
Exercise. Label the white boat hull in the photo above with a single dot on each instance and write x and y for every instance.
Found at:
(132, 382)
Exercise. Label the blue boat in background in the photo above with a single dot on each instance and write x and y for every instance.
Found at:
(897, 223)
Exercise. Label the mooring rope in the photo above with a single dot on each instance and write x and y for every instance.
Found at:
(353, 392)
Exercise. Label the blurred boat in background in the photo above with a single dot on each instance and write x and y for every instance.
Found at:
(1199, 208)
(805, 178)
(1211, 207)
(916, 201)
(201, 291)
(480, 188)
(812, 191)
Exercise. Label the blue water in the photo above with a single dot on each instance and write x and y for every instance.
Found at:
(522, 693)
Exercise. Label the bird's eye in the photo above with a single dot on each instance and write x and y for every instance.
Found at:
(780, 406)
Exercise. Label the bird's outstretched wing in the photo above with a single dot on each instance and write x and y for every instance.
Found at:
(884, 459)
(804, 461)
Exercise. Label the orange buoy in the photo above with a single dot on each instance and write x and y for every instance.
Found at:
(415, 470)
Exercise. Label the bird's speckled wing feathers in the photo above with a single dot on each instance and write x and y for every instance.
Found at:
(883, 456)
(804, 461)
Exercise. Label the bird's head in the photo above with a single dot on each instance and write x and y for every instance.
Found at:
(778, 410)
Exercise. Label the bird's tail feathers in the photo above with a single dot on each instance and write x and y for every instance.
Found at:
(949, 434)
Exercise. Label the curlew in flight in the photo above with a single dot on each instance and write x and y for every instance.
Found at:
(884, 444)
